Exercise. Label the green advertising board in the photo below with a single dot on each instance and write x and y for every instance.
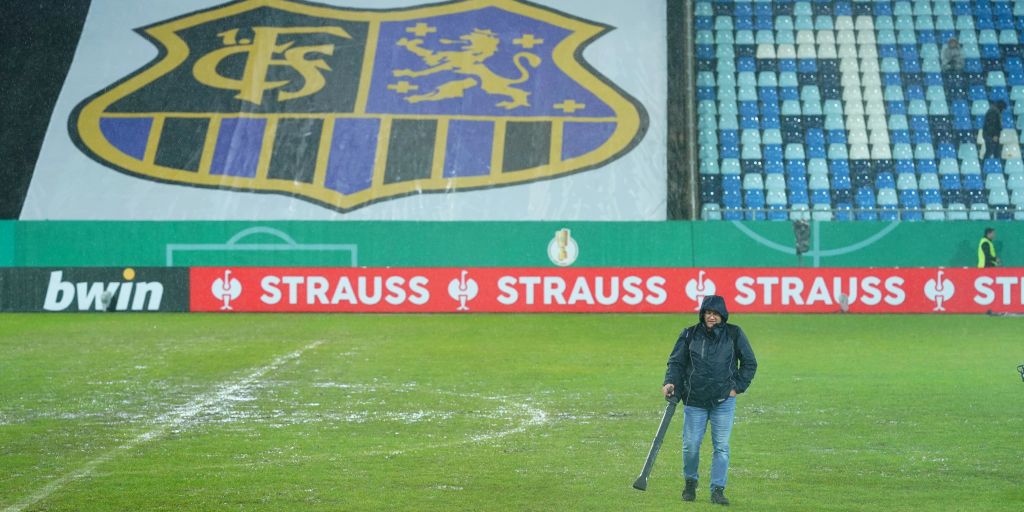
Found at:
(499, 244)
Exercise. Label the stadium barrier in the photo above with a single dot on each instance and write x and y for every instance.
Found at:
(511, 290)
(499, 244)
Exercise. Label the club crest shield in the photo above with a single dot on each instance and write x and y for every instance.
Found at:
(350, 107)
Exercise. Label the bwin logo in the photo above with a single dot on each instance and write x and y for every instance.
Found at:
(97, 296)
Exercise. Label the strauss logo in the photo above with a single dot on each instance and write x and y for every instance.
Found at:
(697, 289)
(463, 290)
(939, 290)
(226, 289)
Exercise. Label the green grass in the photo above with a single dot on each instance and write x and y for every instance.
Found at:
(496, 412)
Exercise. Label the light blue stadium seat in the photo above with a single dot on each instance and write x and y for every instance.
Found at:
(965, 22)
(898, 122)
(794, 151)
(1014, 167)
(811, 107)
(906, 181)
(791, 108)
(730, 166)
(924, 151)
(1008, 37)
(906, 37)
(904, 22)
(893, 93)
(750, 138)
(979, 211)
(784, 22)
(767, 79)
(775, 182)
(923, 23)
(889, 65)
(987, 36)
(751, 153)
(968, 151)
(711, 211)
(709, 167)
(746, 93)
(970, 167)
(938, 108)
(917, 108)
(928, 181)
(707, 108)
(837, 152)
(834, 122)
(817, 167)
(752, 181)
(935, 93)
(707, 135)
(1015, 182)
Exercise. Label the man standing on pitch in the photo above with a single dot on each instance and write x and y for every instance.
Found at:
(711, 363)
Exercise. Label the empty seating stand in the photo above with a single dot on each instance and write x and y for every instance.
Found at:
(839, 110)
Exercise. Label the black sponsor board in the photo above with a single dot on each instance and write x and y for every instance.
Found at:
(113, 289)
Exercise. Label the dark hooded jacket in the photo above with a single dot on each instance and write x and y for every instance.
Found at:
(706, 364)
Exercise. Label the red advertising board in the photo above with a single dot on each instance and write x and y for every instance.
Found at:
(611, 290)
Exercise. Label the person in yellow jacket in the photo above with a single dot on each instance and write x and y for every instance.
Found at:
(987, 250)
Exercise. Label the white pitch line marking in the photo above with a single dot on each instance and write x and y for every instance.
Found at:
(535, 418)
(177, 418)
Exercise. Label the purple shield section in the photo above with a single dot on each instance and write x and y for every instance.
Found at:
(469, 147)
(237, 152)
(581, 138)
(128, 135)
(547, 85)
(352, 155)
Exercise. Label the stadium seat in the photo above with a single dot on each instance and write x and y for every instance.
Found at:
(979, 211)
(956, 211)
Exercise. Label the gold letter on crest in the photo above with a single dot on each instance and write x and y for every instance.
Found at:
(261, 52)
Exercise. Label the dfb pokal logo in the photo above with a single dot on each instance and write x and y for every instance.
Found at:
(697, 289)
(939, 290)
(562, 249)
(463, 290)
(226, 289)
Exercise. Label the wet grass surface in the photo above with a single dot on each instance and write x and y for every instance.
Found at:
(496, 412)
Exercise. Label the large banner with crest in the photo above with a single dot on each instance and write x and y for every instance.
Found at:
(360, 109)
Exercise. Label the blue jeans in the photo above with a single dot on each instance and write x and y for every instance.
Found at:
(695, 423)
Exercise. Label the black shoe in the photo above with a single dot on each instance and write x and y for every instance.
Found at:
(690, 492)
(718, 496)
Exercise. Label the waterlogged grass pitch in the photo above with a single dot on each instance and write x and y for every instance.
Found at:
(496, 412)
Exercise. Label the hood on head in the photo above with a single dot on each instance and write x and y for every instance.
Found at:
(713, 303)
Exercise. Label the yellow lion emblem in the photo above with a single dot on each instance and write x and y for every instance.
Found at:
(477, 47)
